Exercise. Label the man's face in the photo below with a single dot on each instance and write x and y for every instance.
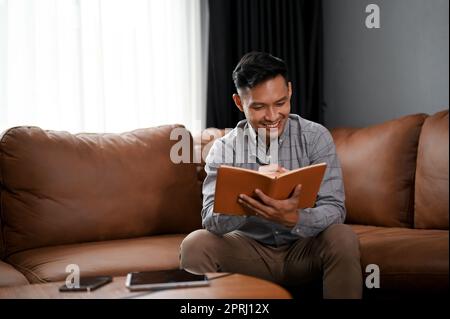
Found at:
(266, 105)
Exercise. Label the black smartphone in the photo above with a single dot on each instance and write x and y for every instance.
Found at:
(88, 284)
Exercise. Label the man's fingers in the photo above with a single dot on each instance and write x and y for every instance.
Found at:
(254, 203)
(297, 191)
(282, 169)
(248, 208)
(266, 199)
(251, 209)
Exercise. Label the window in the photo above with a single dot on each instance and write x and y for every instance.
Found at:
(102, 65)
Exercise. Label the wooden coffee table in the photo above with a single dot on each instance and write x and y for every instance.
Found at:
(225, 286)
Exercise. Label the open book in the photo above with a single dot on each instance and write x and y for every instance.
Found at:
(233, 181)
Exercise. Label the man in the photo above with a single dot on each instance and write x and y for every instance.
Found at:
(276, 241)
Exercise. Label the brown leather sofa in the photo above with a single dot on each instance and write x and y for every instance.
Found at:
(114, 203)
(396, 187)
(110, 203)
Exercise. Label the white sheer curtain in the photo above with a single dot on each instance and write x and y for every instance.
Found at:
(102, 65)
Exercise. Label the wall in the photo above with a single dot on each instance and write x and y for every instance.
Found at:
(373, 75)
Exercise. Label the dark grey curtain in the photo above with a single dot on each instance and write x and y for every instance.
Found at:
(288, 29)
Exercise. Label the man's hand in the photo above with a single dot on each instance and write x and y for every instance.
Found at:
(284, 212)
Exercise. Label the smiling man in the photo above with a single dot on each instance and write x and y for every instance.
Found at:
(276, 241)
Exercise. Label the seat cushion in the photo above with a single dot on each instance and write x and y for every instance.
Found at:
(59, 188)
(115, 258)
(9, 276)
(409, 259)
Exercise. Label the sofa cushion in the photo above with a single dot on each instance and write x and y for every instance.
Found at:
(431, 200)
(378, 166)
(58, 188)
(114, 257)
(9, 276)
(409, 259)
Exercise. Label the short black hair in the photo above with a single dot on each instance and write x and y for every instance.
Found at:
(257, 67)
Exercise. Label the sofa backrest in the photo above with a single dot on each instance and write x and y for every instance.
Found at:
(378, 165)
(58, 188)
(431, 200)
(395, 173)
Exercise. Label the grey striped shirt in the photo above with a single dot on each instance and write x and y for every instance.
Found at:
(302, 143)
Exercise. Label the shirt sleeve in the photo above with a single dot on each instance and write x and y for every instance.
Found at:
(216, 223)
(330, 207)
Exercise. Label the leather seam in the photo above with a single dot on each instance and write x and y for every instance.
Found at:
(2, 217)
(3, 141)
(412, 196)
(28, 271)
(2, 227)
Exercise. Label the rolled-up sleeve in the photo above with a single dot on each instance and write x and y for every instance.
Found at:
(329, 208)
(216, 223)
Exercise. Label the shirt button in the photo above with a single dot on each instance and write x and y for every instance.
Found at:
(277, 232)
(297, 230)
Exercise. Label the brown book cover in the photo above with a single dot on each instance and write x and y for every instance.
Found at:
(233, 181)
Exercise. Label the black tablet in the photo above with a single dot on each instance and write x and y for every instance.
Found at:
(176, 278)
